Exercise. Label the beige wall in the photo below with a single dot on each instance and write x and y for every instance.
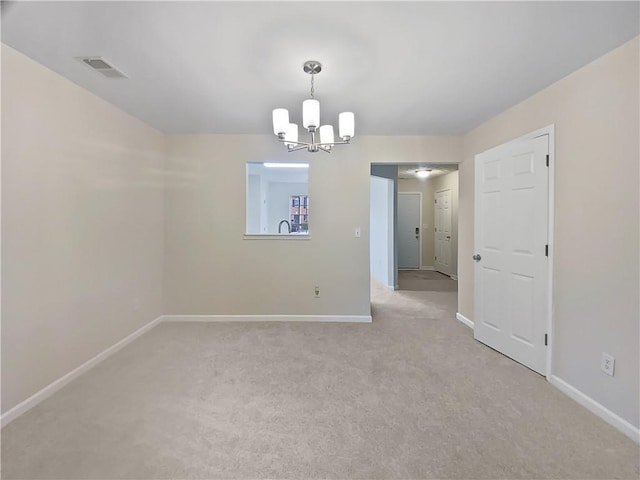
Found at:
(596, 281)
(210, 269)
(426, 188)
(82, 219)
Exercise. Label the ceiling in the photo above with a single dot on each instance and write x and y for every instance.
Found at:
(409, 171)
(404, 68)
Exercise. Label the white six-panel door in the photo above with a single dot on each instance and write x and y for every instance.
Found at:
(443, 232)
(511, 237)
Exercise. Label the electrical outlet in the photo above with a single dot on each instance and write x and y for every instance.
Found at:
(317, 291)
(608, 364)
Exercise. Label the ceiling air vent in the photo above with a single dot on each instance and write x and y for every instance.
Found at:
(100, 65)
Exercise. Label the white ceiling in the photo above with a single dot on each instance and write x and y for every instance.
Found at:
(403, 67)
(409, 171)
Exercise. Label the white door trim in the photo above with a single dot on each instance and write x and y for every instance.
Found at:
(421, 232)
(550, 131)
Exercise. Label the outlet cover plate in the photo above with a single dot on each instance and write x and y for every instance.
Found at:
(608, 364)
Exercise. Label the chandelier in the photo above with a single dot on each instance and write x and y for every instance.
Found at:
(288, 132)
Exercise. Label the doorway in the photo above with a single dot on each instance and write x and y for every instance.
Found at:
(414, 259)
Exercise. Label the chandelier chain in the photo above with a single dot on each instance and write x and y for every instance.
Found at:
(312, 90)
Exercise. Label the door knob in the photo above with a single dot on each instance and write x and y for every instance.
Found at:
(477, 257)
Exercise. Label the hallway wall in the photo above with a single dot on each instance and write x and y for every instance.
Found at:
(596, 289)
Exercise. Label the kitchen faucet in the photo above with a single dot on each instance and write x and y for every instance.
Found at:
(288, 226)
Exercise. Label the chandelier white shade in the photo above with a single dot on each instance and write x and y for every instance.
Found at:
(310, 113)
(280, 120)
(346, 124)
(291, 135)
(288, 132)
(326, 134)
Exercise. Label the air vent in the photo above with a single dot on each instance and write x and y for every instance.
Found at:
(100, 65)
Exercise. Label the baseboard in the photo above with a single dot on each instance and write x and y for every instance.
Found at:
(56, 385)
(465, 320)
(596, 408)
(427, 268)
(268, 318)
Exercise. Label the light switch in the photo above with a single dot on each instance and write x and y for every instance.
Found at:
(357, 232)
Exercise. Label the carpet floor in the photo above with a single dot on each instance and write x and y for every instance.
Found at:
(411, 395)
(425, 281)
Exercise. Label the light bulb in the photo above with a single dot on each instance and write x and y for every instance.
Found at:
(423, 173)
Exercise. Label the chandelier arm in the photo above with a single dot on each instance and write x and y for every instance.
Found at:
(331, 144)
(300, 147)
(282, 140)
(324, 149)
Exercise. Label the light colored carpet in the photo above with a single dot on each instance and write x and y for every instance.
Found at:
(425, 281)
(410, 396)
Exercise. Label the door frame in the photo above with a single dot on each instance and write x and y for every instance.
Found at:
(421, 232)
(550, 131)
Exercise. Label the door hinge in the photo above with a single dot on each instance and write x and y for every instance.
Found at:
(547, 160)
(546, 250)
(546, 339)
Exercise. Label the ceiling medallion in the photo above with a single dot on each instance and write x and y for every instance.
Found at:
(288, 132)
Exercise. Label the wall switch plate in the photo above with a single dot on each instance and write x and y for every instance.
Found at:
(316, 291)
(608, 364)
(357, 232)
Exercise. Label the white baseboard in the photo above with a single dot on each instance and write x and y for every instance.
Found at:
(56, 385)
(427, 268)
(465, 320)
(596, 408)
(268, 318)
